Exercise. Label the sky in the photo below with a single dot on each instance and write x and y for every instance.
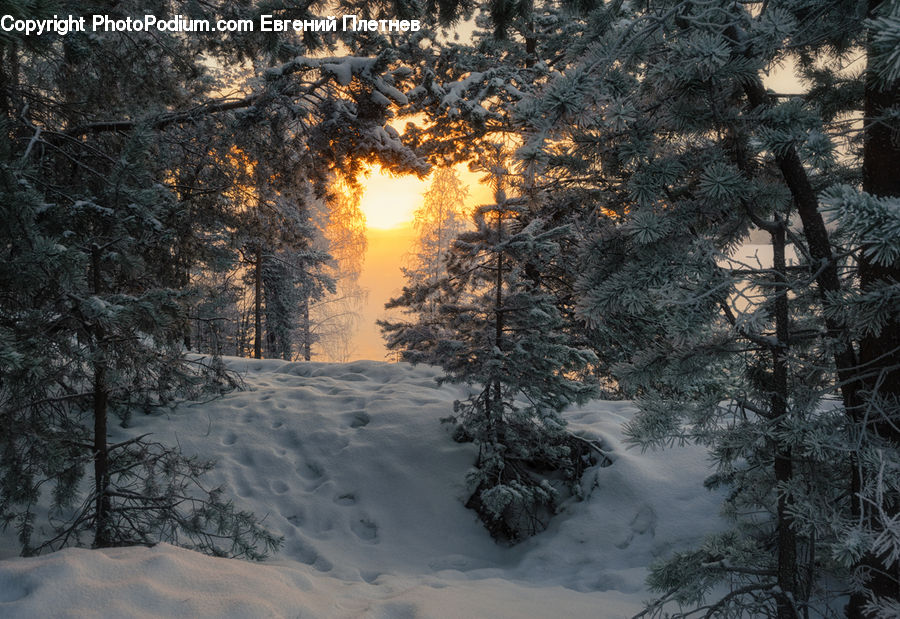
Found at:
(388, 203)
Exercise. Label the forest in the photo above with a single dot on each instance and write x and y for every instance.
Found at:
(171, 200)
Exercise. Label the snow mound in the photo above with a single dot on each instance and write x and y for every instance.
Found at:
(350, 463)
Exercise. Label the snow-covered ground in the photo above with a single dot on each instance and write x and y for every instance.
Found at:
(351, 464)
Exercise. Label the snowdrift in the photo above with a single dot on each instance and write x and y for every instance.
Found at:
(350, 463)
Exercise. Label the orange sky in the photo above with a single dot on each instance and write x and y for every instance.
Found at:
(388, 204)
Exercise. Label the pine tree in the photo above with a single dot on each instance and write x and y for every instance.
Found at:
(116, 196)
(501, 333)
(502, 318)
(662, 118)
(282, 268)
(105, 339)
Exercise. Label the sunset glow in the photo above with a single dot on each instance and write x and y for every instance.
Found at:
(388, 204)
(389, 201)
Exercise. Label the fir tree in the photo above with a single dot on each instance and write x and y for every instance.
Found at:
(663, 117)
(117, 195)
(501, 333)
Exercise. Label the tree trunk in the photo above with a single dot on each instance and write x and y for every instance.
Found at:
(530, 36)
(5, 85)
(497, 404)
(102, 534)
(787, 537)
(817, 240)
(257, 305)
(879, 354)
(307, 336)
(530, 44)
(827, 281)
(9, 80)
(102, 508)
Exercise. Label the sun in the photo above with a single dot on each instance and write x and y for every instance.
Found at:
(389, 201)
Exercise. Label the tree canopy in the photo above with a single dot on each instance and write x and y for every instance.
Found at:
(666, 227)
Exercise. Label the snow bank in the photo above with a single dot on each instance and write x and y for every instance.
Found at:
(350, 463)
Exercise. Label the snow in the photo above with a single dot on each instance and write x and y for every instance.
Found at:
(351, 464)
(391, 92)
(343, 68)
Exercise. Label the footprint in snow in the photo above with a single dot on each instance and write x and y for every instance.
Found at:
(450, 562)
(369, 577)
(323, 565)
(357, 419)
(365, 529)
(302, 552)
(644, 522)
(352, 377)
(311, 471)
(347, 498)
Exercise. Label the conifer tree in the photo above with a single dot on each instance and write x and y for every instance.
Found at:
(501, 318)
(501, 333)
(116, 191)
(663, 117)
